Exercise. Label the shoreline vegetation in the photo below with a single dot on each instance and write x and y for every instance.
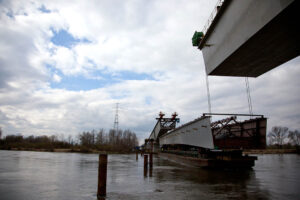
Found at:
(121, 142)
(247, 151)
(95, 151)
(87, 142)
(271, 151)
(88, 151)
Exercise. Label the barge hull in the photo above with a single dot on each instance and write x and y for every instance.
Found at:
(245, 162)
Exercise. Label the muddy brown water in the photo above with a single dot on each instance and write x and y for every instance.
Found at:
(42, 175)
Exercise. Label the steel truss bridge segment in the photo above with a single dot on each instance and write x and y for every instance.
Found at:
(162, 126)
(229, 133)
(195, 133)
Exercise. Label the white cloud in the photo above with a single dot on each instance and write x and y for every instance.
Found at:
(56, 78)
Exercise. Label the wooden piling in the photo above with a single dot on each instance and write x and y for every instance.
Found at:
(145, 165)
(150, 171)
(102, 175)
(145, 161)
(151, 160)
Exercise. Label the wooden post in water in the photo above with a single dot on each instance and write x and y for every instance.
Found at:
(151, 160)
(145, 160)
(102, 175)
(150, 171)
(145, 164)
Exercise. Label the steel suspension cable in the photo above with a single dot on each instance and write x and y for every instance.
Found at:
(248, 95)
(208, 93)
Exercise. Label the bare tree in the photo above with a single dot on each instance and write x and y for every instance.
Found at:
(53, 138)
(294, 137)
(86, 139)
(100, 137)
(61, 137)
(277, 135)
(70, 139)
(114, 140)
(112, 136)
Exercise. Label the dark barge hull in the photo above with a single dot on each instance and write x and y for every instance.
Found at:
(224, 162)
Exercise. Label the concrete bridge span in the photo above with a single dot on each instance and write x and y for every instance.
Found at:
(250, 37)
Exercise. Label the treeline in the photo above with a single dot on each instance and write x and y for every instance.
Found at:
(119, 141)
(282, 137)
(111, 141)
(32, 142)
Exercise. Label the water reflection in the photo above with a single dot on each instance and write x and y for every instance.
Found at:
(220, 184)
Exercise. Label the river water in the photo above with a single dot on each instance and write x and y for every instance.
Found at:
(52, 176)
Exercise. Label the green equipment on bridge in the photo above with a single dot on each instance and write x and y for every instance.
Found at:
(197, 37)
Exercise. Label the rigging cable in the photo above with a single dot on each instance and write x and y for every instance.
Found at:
(208, 93)
(248, 96)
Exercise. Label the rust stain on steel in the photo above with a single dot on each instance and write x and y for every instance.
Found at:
(232, 134)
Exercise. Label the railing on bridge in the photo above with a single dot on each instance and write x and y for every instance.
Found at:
(212, 16)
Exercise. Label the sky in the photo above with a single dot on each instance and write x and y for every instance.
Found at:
(65, 64)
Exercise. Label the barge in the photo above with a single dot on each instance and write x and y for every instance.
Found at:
(214, 159)
(200, 143)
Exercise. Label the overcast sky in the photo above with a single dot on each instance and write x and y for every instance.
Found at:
(64, 65)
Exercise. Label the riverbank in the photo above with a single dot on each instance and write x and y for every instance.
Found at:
(74, 150)
(270, 151)
(95, 151)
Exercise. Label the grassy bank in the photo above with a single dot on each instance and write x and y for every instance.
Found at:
(270, 151)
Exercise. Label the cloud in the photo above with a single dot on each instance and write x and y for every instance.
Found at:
(56, 78)
(139, 54)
